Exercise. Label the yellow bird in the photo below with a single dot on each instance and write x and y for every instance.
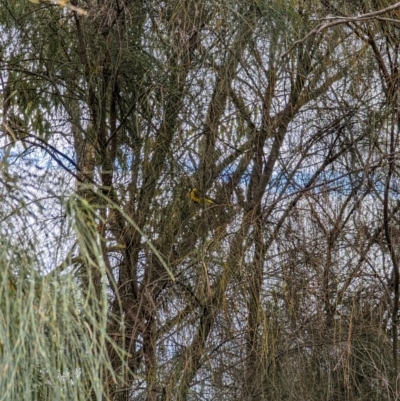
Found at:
(196, 197)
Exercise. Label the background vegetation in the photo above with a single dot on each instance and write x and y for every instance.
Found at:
(115, 284)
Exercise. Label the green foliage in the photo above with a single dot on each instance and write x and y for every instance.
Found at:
(52, 342)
